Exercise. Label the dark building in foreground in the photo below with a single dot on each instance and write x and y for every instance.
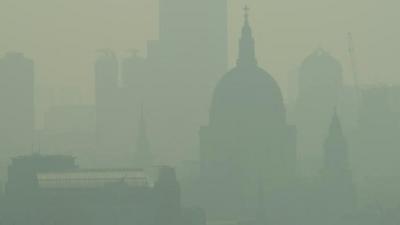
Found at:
(53, 190)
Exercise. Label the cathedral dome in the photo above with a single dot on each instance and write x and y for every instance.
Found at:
(321, 68)
(247, 131)
(247, 92)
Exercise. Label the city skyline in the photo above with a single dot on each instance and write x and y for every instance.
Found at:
(64, 59)
(211, 118)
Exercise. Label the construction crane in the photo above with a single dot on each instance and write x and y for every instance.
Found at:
(354, 69)
(353, 61)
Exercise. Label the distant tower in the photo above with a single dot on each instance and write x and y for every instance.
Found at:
(106, 73)
(133, 71)
(134, 80)
(168, 198)
(107, 103)
(193, 29)
(17, 106)
(185, 62)
(143, 157)
(337, 178)
(320, 84)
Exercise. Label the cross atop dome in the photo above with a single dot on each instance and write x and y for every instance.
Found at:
(246, 11)
(246, 45)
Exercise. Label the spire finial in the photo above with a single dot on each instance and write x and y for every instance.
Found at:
(246, 44)
(335, 123)
(246, 12)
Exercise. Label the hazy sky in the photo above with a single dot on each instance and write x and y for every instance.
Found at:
(63, 35)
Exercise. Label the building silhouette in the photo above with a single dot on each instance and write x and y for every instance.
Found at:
(378, 128)
(133, 73)
(194, 34)
(107, 93)
(112, 120)
(134, 83)
(52, 189)
(336, 175)
(143, 158)
(168, 208)
(175, 79)
(180, 71)
(69, 129)
(247, 135)
(320, 84)
(17, 106)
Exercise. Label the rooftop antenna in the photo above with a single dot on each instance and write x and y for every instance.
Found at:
(246, 11)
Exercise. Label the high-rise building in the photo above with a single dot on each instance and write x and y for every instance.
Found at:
(108, 107)
(183, 66)
(175, 79)
(134, 77)
(194, 30)
(17, 105)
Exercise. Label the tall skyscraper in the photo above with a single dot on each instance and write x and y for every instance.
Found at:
(194, 30)
(175, 79)
(134, 76)
(182, 68)
(108, 107)
(17, 105)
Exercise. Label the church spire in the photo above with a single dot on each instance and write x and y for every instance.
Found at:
(143, 157)
(261, 210)
(247, 56)
(336, 149)
(337, 176)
